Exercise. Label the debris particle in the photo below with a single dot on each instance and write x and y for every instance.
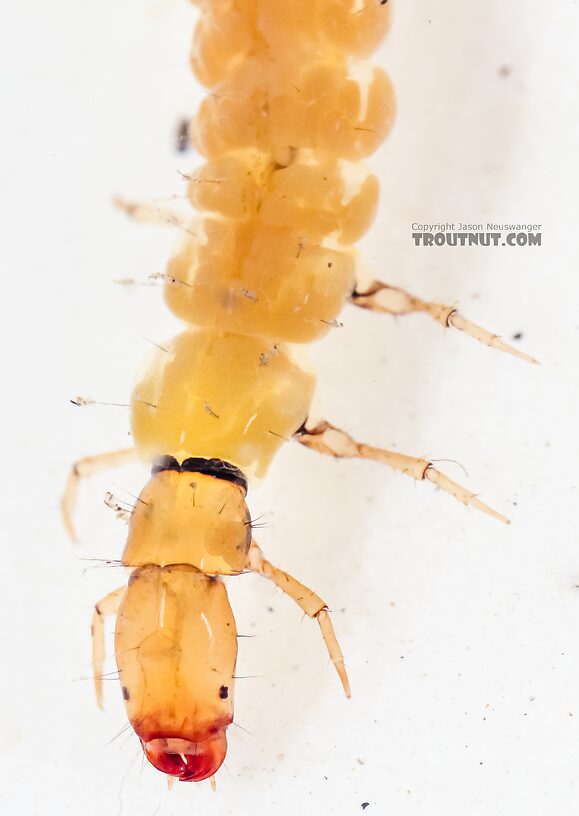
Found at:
(210, 411)
(80, 402)
(248, 294)
(183, 136)
(121, 512)
(266, 356)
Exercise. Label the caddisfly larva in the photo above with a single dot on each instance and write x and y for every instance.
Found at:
(282, 198)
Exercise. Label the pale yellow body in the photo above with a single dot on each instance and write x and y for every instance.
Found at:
(211, 394)
(283, 197)
(259, 280)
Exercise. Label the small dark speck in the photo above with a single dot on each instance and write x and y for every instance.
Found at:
(365, 805)
(223, 692)
(126, 695)
(517, 335)
(505, 71)
(183, 142)
(270, 609)
(210, 410)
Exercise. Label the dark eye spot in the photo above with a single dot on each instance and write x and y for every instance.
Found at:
(126, 695)
(223, 692)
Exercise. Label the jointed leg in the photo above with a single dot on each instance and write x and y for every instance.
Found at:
(308, 601)
(380, 297)
(326, 438)
(89, 466)
(109, 605)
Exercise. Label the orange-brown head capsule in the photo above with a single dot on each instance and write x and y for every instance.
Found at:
(176, 648)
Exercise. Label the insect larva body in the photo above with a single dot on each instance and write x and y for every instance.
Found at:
(283, 197)
(256, 274)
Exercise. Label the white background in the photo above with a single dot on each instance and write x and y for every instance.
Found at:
(460, 634)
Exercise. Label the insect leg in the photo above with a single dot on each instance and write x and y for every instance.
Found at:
(326, 438)
(108, 605)
(308, 601)
(380, 297)
(88, 466)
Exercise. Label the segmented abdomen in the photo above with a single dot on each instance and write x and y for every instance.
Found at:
(283, 196)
